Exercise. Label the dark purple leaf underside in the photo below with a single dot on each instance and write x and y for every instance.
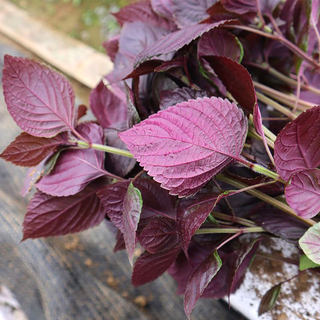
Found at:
(190, 219)
(297, 146)
(175, 41)
(160, 234)
(219, 42)
(240, 6)
(28, 151)
(185, 145)
(269, 299)
(76, 168)
(40, 100)
(53, 216)
(109, 109)
(123, 204)
(199, 280)
(303, 193)
(149, 266)
(237, 80)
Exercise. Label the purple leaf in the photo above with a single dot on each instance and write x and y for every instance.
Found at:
(112, 47)
(191, 216)
(190, 12)
(156, 200)
(76, 168)
(297, 146)
(185, 145)
(199, 280)
(279, 224)
(123, 204)
(109, 108)
(310, 243)
(175, 41)
(220, 42)
(149, 267)
(160, 234)
(28, 151)
(116, 164)
(237, 80)
(269, 299)
(171, 97)
(163, 8)
(244, 258)
(303, 193)
(240, 6)
(82, 111)
(53, 216)
(142, 11)
(40, 100)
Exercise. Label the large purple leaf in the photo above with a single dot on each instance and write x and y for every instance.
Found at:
(199, 280)
(175, 41)
(191, 215)
(303, 193)
(220, 42)
(142, 11)
(310, 243)
(297, 146)
(149, 266)
(237, 80)
(123, 204)
(40, 100)
(190, 12)
(76, 168)
(53, 216)
(185, 145)
(109, 108)
(28, 151)
(160, 234)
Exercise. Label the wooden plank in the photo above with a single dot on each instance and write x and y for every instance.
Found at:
(72, 57)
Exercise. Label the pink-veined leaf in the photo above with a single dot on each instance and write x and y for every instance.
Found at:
(236, 79)
(303, 193)
(175, 41)
(160, 234)
(149, 267)
(40, 100)
(199, 280)
(310, 243)
(297, 146)
(76, 168)
(123, 204)
(53, 216)
(28, 151)
(185, 145)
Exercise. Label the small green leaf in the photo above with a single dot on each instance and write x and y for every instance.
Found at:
(310, 243)
(305, 263)
(269, 299)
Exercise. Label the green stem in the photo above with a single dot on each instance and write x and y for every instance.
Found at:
(269, 134)
(229, 230)
(254, 135)
(101, 147)
(282, 97)
(227, 217)
(276, 105)
(264, 197)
